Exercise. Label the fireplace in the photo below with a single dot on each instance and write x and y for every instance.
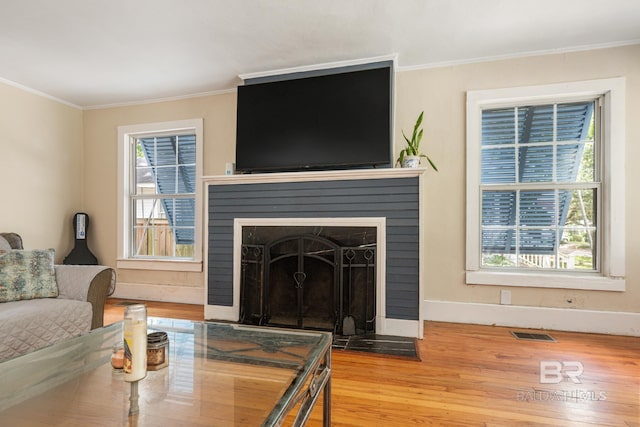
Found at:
(298, 290)
(309, 277)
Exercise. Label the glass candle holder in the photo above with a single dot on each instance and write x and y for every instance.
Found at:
(135, 342)
(117, 357)
(157, 351)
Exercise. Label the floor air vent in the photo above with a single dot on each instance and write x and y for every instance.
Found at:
(533, 337)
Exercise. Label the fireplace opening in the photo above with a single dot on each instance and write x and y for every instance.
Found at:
(309, 277)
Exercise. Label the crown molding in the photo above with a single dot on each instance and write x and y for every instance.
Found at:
(325, 66)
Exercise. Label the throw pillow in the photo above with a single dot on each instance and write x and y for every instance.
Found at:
(27, 275)
(4, 244)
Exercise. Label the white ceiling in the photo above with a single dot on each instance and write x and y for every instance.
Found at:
(91, 53)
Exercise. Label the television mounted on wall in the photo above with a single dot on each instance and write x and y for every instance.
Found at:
(320, 120)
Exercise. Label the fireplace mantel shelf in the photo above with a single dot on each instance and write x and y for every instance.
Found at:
(315, 175)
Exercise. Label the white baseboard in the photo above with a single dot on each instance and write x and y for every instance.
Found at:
(164, 293)
(559, 319)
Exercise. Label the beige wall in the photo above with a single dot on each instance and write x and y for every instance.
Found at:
(441, 94)
(100, 135)
(57, 182)
(41, 169)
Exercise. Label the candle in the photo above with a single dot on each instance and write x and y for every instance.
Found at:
(117, 357)
(157, 351)
(135, 342)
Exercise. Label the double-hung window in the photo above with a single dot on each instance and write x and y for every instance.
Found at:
(543, 186)
(159, 224)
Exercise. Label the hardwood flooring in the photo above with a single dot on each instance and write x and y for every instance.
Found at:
(474, 375)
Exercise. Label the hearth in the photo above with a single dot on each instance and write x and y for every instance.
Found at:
(309, 277)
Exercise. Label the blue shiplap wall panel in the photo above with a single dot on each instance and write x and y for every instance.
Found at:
(397, 199)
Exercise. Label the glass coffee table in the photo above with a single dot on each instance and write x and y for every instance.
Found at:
(218, 375)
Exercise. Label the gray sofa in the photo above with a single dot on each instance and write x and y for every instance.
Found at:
(30, 324)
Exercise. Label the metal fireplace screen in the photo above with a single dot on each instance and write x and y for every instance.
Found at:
(311, 281)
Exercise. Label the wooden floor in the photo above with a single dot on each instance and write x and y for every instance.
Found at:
(476, 376)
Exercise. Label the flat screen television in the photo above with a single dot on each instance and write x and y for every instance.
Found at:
(336, 120)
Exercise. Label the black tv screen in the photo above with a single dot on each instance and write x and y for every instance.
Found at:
(332, 121)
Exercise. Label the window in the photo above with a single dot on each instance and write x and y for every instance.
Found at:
(539, 187)
(160, 196)
(543, 186)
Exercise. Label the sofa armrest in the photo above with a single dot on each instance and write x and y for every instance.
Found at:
(14, 239)
(87, 283)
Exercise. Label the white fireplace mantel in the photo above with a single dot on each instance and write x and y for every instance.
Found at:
(256, 178)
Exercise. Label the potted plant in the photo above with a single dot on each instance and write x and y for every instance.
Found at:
(410, 155)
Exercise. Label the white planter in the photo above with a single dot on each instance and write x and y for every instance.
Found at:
(411, 162)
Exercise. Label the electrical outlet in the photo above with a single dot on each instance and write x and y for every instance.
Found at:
(505, 297)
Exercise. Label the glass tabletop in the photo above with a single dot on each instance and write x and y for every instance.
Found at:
(218, 374)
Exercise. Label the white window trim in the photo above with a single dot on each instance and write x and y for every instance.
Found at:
(125, 135)
(612, 274)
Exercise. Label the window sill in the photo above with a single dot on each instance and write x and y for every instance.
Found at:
(160, 265)
(559, 281)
